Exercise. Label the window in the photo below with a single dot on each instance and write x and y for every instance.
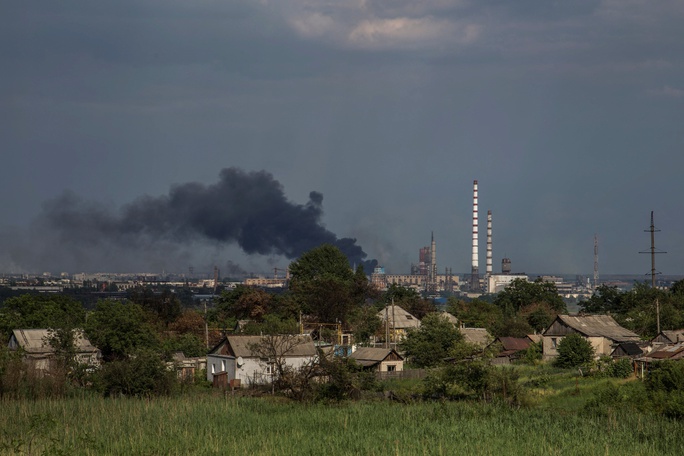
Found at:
(554, 342)
(213, 368)
(391, 368)
(223, 365)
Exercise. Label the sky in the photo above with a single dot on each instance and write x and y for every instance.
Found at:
(366, 119)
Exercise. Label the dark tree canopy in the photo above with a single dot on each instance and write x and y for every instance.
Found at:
(435, 340)
(32, 311)
(521, 293)
(574, 351)
(119, 329)
(324, 261)
(324, 284)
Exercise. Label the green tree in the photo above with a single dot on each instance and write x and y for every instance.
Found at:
(574, 351)
(165, 305)
(605, 299)
(142, 375)
(520, 293)
(365, 323)
(243, 302)
(40, 311)
(323, 283)
(476, 313)
(119, 328)
(435, 340)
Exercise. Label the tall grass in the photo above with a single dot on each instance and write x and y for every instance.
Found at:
(214, 424)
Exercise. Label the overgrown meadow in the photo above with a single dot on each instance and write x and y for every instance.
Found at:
(555, 421)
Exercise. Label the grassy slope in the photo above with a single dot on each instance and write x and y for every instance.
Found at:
(212, 424)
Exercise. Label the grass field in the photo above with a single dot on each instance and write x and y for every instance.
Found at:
(209, 423)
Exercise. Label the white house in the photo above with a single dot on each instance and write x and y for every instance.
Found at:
(252, 359)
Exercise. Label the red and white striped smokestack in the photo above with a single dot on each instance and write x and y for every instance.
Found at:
(475, 271)
(489, 243)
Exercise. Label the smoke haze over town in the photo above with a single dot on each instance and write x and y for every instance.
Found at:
(157, 135)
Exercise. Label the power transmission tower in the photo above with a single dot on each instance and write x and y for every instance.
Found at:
(653, 252)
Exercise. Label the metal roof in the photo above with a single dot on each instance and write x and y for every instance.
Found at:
(477, 336)
(288, 345)
(372, 355)
(514, 343)
(674, 336)
(597, 326)
(398, 317)
(35, 341)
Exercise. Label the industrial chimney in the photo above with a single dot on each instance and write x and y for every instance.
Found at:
(489, 243)
(475, 272)
(432, 278)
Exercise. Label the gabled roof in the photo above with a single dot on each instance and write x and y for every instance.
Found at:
(629, 349)
(536, 338)
(477, 336)
(674, 336)
(514, 343)
(450, 318)
(288, 345)
(398, 317)
(369, 356)
(35, 341)
(595, 326)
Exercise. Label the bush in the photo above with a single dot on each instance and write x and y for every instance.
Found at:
(142, 375)
(608, 367)
(621, 368)
(574, 351)
(666, 376)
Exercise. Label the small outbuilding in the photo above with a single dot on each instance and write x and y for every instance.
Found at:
(669, 337)
(379, 359)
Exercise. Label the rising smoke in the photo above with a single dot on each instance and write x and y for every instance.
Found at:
(244, 208)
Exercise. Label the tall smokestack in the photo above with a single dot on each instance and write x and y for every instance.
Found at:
(433, 263)
(475, 273)
(489, 243)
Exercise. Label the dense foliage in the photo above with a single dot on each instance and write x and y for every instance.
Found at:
(574, 351)
(435, 340)
(636, 309)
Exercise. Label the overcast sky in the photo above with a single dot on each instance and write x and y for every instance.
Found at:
(570, 114)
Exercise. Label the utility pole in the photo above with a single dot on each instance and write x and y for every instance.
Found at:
(653, 252)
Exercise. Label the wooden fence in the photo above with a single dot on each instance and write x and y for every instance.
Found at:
(408, 373)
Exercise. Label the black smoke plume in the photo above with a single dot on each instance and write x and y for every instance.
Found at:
(246, 208)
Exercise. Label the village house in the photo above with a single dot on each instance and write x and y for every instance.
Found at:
(251, 360)
(186, 368)
(379, 359)
(396, 322)
(38, 353)
(510, 348)
(602, 331)
(669, 337)
(476, 336)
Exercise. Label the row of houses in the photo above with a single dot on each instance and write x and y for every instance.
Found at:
(247, 360)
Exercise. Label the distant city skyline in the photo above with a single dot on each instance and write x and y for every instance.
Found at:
(372, 117)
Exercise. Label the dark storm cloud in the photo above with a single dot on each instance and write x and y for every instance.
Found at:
(567, 113)
(246, 208)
